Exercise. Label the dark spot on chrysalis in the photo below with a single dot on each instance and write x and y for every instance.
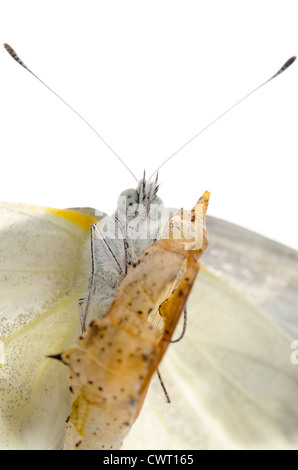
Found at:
(180, 293)
(100, 389)
(78, 443)
(71, 389)
(95, 327)
(67, 419)
(90, 382)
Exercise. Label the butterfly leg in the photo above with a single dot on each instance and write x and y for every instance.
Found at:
(82, 318)
(95, 233)
(184, 327)
(83, 315)
(125, 244)
(173, 341)
(163, 386)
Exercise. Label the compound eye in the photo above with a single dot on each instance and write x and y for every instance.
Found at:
(128, 201)
(156, 209)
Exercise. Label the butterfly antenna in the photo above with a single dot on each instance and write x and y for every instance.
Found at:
(281, 70)
(19, 61)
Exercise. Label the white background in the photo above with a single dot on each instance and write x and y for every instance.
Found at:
(148, 75)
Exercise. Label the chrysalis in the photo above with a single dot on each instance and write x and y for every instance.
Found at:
(111, 365)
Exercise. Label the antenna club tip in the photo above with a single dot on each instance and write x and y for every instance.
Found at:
(292, 59)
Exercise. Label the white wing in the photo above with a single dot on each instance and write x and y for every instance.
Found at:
(44, 270)
(231, 380)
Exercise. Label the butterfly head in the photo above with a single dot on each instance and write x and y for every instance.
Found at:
(141, 202)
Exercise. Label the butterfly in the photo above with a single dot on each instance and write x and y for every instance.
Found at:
(230, 379)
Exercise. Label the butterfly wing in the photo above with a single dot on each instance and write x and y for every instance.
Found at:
(231, 380)
(263, 271)
(44, 269)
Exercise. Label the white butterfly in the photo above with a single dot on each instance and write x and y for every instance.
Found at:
(118, 241)
(231, 380)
